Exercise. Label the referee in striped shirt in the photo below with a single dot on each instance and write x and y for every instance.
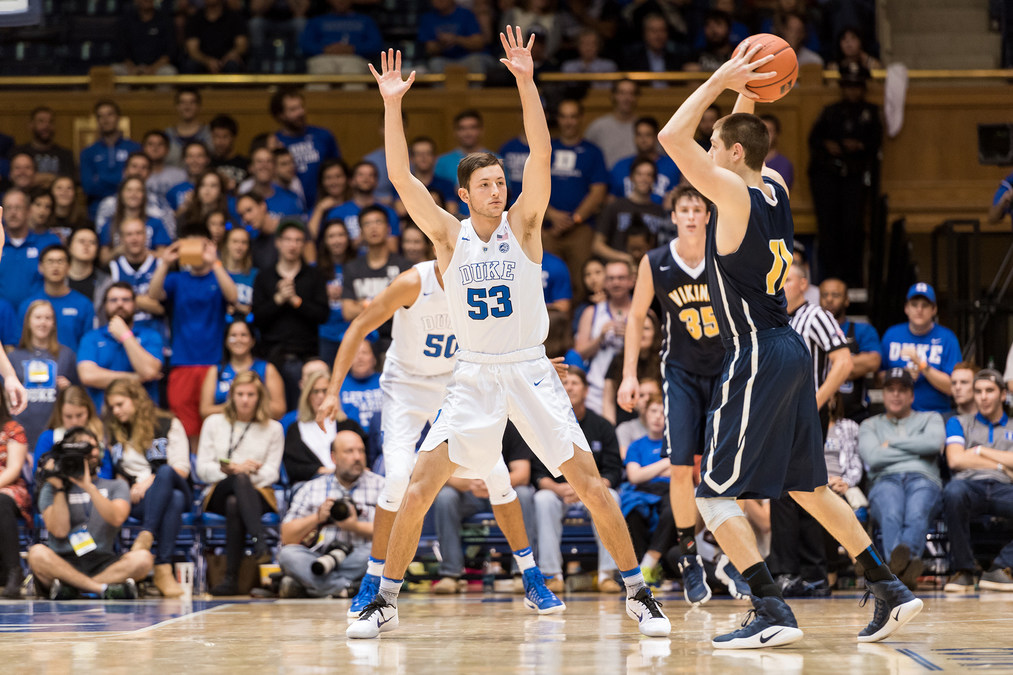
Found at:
(798, 558)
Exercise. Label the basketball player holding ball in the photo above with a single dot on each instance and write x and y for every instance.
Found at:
(763, 434)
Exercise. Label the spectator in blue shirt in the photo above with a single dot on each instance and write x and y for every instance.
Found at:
(556, 283)
(863, 341)
(925, 348)
(19, 267)
(579, 185)
(196, 160)
(1002, 202)
(139, 165)
(468, 129)
(363, 184)
(308, 144)
(102, 162)
(645, 140)
(107, 353)
(75, 314)
(360, 392)
(514, 153)
(280, 200)
(451, 35)
(131, 204)
(197, 298)
(340, 42)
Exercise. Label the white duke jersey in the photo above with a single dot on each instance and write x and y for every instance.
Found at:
(494, 293)
(140, 278)
(423, 341)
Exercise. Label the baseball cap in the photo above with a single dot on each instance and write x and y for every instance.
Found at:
(899, 375)
(992, 375)
(922, 290)
(853, 74)
(288, 223)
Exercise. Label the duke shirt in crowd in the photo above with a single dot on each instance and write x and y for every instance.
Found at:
(939, 347)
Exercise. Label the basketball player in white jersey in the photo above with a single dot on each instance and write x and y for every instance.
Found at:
(416, 372)
(492, 276)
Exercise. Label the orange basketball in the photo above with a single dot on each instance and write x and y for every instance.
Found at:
(784, 63)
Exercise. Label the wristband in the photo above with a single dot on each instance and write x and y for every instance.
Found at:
(999, 466)
(923, 366)
(217, 265)
(126, 336)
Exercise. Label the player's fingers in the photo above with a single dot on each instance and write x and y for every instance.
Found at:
(397, 62)
(411, 78)
(531, 41)
(373, 70)
(520, 36)
(503, 41)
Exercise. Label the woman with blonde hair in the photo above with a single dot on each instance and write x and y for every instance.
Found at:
(239, 454)
(307, 448)
(44, 365)
(150, 451)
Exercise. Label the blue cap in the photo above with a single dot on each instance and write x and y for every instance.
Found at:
(922, 290)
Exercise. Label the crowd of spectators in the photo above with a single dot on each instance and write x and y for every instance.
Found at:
(173, 306)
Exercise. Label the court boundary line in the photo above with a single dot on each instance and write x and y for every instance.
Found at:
(920, 660)
(176, 619)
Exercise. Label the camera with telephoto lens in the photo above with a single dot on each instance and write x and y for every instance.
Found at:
(71, 460)
(335, 555)
(343, 508)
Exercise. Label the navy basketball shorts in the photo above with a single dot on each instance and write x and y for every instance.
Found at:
(763, 435)
(688, 398)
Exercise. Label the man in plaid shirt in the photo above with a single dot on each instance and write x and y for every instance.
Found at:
(308, 530)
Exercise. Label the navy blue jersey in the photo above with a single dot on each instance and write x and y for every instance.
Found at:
(690, 329)
(748, 285)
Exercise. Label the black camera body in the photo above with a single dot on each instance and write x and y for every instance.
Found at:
(70, 459)
(343, 508)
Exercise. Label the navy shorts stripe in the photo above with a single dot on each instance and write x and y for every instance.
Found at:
(763, 435)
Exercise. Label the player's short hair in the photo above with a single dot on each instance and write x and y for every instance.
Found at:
(640, 161)
(750, 132)
(469, 113)
(472, 163)
(374, 208)
(687, 191)
(226, 122)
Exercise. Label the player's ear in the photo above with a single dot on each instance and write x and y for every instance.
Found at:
(462, 194)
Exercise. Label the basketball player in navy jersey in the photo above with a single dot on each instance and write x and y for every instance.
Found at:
(492, 277)
(416, 371)
(763, 434)
(691, 363)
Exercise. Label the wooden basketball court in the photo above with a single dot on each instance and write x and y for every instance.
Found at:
(490, 633)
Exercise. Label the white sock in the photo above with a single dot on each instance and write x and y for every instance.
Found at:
(525, 559)
(374, 567)
(634, 580)
(389, 588)
(650, 560)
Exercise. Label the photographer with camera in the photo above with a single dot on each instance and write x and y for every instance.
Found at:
(328, 529)
(83, 514)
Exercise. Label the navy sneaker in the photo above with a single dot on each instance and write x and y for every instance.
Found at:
(377, 617)
(368, 589)
(726, 573)
(769, 624)
(537, 595)
(895, 606)
(694, 580)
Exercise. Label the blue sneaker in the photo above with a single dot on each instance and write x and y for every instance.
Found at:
(727, 574)
(895, 606)
(537, 595)
(367, 591)
(694, 580)
(769, 623)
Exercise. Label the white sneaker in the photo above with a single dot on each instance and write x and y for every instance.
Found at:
(377, 617)
(646, 611)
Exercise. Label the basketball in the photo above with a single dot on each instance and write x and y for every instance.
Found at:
(784, 63)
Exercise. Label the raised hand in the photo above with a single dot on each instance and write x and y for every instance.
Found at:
(518, 56)
(740, 69)
(389, 77)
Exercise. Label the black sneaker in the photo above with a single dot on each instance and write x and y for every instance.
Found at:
(895, 606)
(770, 623)
(290, 588)
(62, 591)
(125, 591)
(12, 589)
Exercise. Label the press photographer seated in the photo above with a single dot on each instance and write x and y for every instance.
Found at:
(329, 526)
(83, 514)
(239, 454)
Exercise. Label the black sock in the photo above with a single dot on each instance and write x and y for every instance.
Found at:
(687, 540)
(875, 569)
(761, 584)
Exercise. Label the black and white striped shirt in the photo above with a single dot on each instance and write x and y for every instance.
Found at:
(822, 335)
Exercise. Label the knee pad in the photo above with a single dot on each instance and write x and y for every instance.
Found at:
(716, 510)
(500, 490)
(394, 487)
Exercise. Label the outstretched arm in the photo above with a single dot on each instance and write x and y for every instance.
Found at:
(438, 225)
(402, 292)
(720, 185)
(531, 203)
